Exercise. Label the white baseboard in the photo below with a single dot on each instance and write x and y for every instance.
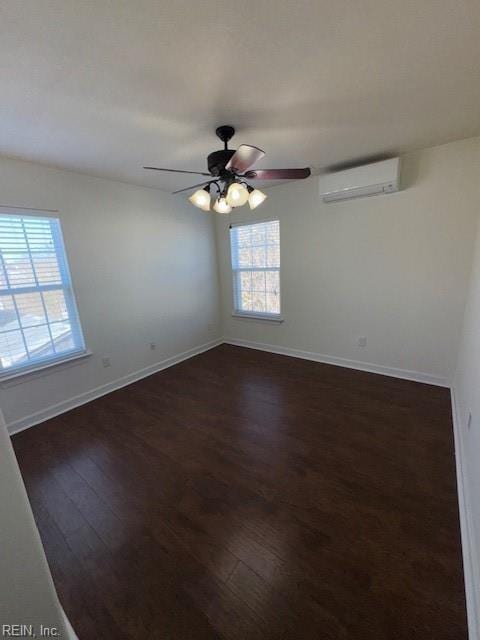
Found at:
(70, 632)
(471, 569)
(405, 374)
(56, 409)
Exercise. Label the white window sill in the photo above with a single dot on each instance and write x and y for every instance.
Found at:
(268, 317)
(39, 369)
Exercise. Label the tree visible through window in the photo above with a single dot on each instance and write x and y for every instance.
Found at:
(255, 252)
(38, 316)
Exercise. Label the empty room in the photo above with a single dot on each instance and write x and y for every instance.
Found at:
(240, 320)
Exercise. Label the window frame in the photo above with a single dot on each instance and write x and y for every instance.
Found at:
(237, 312)
(66, 286)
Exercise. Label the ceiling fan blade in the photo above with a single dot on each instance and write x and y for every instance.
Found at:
(197, 173)
(278, 174)
(244, 157)
(194, 186)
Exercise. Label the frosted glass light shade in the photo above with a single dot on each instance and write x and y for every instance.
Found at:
(201, 199)
(237, 195)
(222, 206)
(255, 198)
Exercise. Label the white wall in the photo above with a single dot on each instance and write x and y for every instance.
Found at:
(27, 593)
(392, 268)
(144, 269)
(466, 391)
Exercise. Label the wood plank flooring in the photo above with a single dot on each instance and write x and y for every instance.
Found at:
(245, 495)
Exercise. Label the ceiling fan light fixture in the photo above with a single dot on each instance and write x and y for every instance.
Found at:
(256, 198)
(237, 194)
(227, 170)
(201, 198)
(222, 206)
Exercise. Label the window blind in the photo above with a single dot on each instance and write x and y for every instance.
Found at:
(255, 250)
(38, 316)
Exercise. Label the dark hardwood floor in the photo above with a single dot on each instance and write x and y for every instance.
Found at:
(245, 495)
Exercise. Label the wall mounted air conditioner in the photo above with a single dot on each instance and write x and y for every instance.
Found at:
(368, 180)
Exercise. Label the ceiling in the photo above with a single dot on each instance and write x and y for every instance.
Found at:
(106, 86)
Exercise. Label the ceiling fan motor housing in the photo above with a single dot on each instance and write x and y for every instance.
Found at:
(217, 161)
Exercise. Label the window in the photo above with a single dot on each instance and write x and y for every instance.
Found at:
(256, 268)
(38, 317)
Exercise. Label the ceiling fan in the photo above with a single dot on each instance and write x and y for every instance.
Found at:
(229, 170)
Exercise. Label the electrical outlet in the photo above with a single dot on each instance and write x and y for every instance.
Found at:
(106, 362)
(469, 420)
(362, 341)
(153, 346)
